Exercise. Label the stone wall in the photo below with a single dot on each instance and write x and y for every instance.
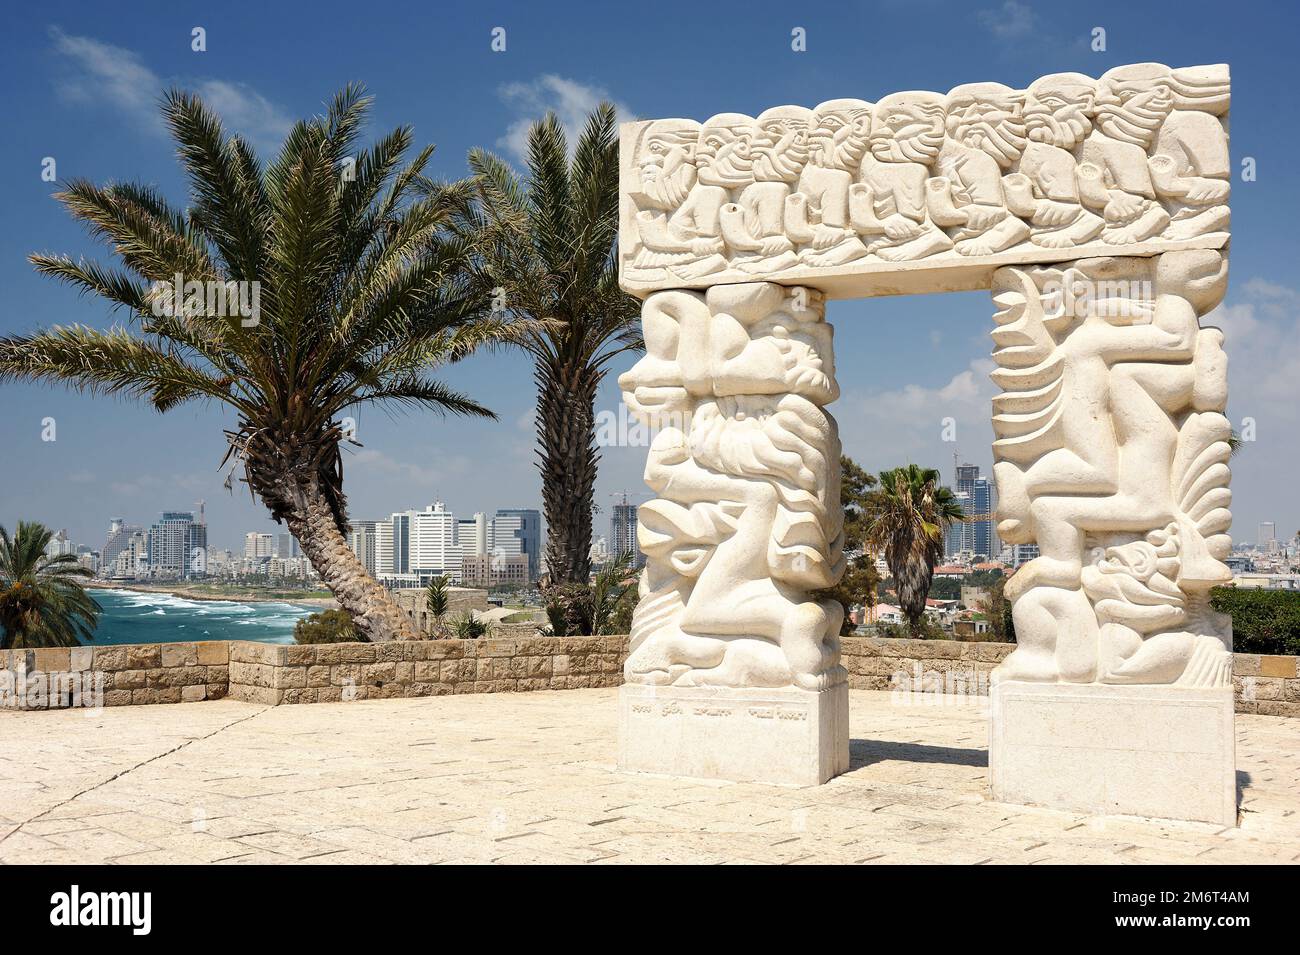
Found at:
(114, 675)
(1263, 684)
(271, 675)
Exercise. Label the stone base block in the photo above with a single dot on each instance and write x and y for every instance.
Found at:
(787, 736)
(1163, 752)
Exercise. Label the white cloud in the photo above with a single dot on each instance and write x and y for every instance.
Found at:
(96, 72)
(570, 100)
(882, 429)
(1009, 21)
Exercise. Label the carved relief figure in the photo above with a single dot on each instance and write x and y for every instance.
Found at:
(889, 204)
(1175, 117)
(1139, 156)
(665, 166)
(746, 520)
(818, 216)
(754, 226)
(1111, 455)
(1045, 192)
(985, 136)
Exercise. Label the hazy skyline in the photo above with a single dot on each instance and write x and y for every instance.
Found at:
(83, 83)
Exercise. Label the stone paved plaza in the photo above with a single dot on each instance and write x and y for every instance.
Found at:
(530, 778)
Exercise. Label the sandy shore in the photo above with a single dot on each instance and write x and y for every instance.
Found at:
(239, 596)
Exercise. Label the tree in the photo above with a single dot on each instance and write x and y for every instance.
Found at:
(1263, 621)
(360, 290)
(546, 252)
(997, 608)
(905, 520)
(438, 600)
(861, 580)
(326, 626)
(42, 600)
(599, 608)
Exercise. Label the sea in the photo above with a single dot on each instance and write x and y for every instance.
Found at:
(135, 616)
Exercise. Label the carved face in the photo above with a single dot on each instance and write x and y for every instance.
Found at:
(1058, 108)
(723, 157)
(988, 117)
(1133, 101)
(908, 127)
(666, 163)
(841, 129)
(780, 144)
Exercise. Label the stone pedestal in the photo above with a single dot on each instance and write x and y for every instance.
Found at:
(787, 736)
(1164, 752)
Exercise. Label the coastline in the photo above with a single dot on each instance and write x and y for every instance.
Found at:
(236, 596)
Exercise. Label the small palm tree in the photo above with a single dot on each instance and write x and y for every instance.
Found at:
(362, 292)
(905, 519)
(546, 244)
(613, 586)
(42, 601)
(437, 600)
(469, 627)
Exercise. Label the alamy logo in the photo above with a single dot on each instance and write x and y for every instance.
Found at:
(103, 908)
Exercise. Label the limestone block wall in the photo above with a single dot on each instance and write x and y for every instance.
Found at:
(1263, 684)
(125, 675)
(271, 675)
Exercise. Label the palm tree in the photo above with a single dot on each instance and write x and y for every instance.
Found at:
(42, 601)
(437, 600)
(906, 518)
(362, 292)
(546, 244)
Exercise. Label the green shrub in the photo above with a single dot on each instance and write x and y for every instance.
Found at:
(469, 627)
(327, 626)
(1263, 621)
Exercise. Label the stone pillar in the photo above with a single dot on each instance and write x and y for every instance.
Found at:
(733, 670)
(1111, 454)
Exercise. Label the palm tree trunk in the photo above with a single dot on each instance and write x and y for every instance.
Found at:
(311, 520)
(566, 404)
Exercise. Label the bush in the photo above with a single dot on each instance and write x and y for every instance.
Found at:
(327, 626)
(1263, 621)
(469, 627)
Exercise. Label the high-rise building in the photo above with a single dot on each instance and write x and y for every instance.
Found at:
(514, 531)
(362, 539)
(177, 545)
(383, 548)
(60, 544)
(977, 535)
(622, 532)
(119, 538)
(259, 546)
(401, 524)
(1267, 541)
(286, 546)
(434, 550)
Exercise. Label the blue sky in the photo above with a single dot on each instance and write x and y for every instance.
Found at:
(82, 80)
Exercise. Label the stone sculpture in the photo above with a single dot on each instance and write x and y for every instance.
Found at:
(1096, 210)
(1111, 454)
(1135, 161)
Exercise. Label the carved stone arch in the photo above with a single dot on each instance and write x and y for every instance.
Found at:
(1096, 212)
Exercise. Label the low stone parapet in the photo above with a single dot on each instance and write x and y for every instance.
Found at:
(132, 674)
(272, 674)
(323, 673)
